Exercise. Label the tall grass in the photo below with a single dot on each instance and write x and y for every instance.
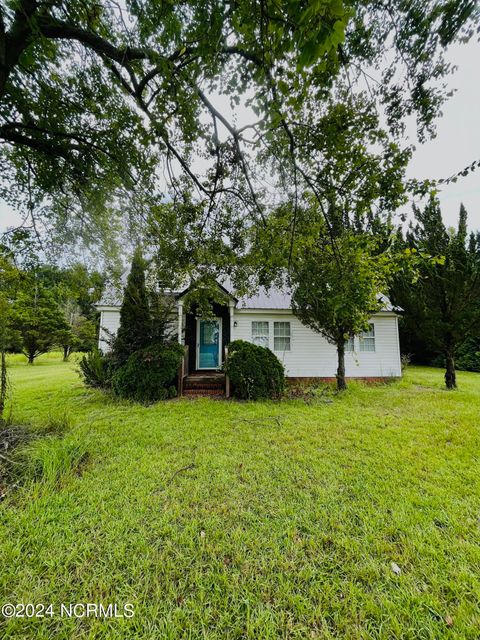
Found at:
(258, 520)
(51, 459)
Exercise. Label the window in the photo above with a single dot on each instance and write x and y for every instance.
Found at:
(349, 344)
(209, 332)
(367, 339)
(260, 333)
(281, 336)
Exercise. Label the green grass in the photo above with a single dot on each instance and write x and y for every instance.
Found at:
(285, 527)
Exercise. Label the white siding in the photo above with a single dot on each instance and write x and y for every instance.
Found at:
(312, 356)
(109, 323)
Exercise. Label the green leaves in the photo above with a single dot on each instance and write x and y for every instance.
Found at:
(337, 284)
(92, 101)
(39, 320)
(135, 328)
(441, 300)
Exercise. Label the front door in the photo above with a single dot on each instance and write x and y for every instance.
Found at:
(209, 344)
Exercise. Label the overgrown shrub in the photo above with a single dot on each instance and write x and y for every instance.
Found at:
(254, 371)
(96, 369)
(149, 374)
(467, 357)
(405, 359)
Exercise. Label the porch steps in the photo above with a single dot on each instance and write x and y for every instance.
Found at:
(204, 384)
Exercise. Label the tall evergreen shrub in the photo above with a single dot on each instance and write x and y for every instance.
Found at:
(135, 328)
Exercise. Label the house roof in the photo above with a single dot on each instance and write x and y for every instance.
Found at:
(273, 298)
(112, 295)
(227, 290)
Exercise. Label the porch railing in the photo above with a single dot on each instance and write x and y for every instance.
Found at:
(227, 379)
(183, 371)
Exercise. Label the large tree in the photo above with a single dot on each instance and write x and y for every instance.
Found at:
(38, 318)
(333, 242)
(442, 305)
(337, 290)
(93, 94)
(76, 290)
(80, 334)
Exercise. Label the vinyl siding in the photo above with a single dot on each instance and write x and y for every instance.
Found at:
(109, 323)
(312, 356)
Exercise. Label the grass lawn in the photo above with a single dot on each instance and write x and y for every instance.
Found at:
(234, 520)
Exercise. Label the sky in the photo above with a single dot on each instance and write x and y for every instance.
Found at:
(456, 145)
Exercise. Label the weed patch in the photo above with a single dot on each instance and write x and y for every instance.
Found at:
(51, 460)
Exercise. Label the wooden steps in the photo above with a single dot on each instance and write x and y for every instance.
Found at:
(204, 384)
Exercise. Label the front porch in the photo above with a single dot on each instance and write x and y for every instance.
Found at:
(201, 383)
(206, 343)
(206, 338)
(204, 384)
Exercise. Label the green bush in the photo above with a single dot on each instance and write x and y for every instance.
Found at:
(466, 359)
(96, 369)
(255, 372)
(149, 374)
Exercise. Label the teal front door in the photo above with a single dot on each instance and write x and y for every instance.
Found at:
(209, 341)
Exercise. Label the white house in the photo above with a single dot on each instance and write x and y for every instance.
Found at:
(266, 318)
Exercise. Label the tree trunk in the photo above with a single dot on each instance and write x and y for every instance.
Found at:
(450, 374)
(341, 382)
(3, 383)
(66, 353)
(31, 357)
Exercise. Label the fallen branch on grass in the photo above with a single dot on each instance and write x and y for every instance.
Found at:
(187, 467)
(264, 421)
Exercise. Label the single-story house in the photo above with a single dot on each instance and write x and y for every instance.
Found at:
(266, 318)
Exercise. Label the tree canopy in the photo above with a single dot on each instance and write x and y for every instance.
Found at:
(442, 305)
(39, 320)
(94, 95)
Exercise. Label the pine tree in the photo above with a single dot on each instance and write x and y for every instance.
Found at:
(443, 306)
(135, 328)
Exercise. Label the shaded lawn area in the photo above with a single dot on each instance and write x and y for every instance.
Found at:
(285, 527)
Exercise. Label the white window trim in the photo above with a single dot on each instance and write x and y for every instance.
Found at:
(289, 336)
(368, 339)
(351, 341)
(264, 336)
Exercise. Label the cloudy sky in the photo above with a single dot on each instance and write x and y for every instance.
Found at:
(456, 145)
